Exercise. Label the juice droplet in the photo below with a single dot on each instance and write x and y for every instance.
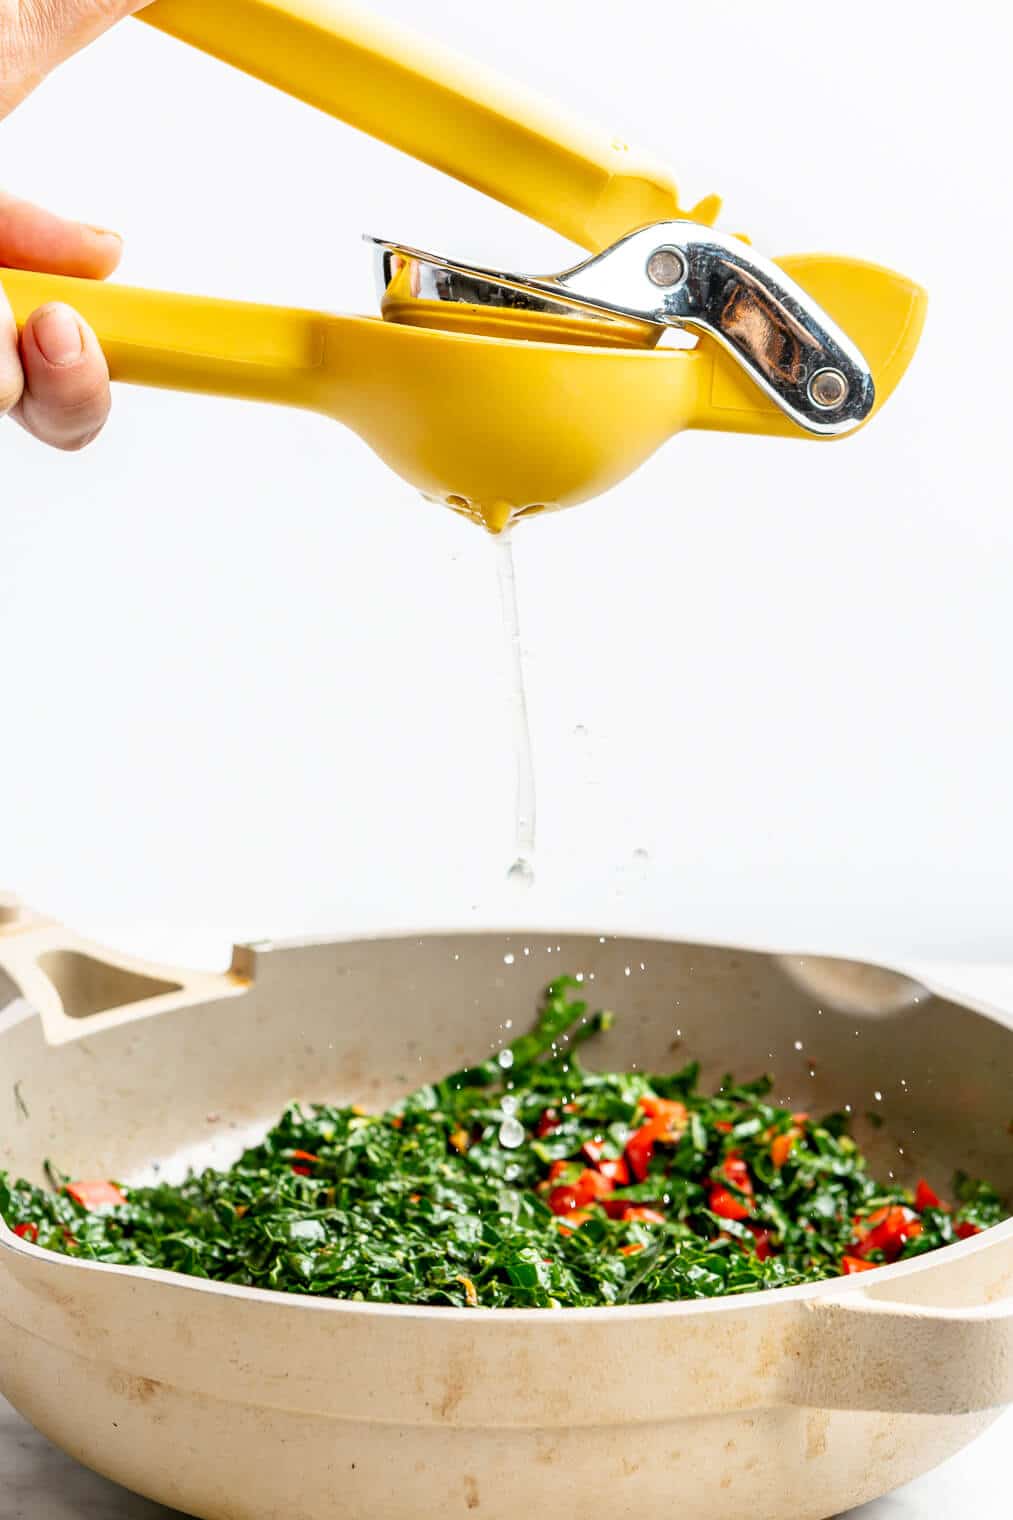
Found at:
(506, 1059)
(511, 1133)
(522, 873)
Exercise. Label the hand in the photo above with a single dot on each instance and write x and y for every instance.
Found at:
(54, 380)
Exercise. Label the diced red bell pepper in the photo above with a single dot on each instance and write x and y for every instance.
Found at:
(800, 1119)
(559, 1169)
(926, 1197)
(571, 1108)
(674, 1113)
(591, 1151)
(666, 1119)
(548, 1120)
(891, 1233)
(632, 1249)
(782, 1146)
(878, 1239)
(303, 1171)
(564, 1200)
(95, 1195)
(721, 1200)
(852, 1264)
(966, 1229)
(737, 1172)
(622, 1209)
(29, 1232)
(304, 1156)
(592, 1185)
(908, 1228)
(726, 1205)
(640, 1149)
(617, 1172)
(763, 1245)
(723, 1126)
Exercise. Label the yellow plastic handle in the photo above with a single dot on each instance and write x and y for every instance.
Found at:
(190, 343)
(441, 108)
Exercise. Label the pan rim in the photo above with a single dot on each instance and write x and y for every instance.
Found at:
(834, 1287)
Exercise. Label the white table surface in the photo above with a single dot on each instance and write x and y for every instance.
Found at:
(37, 1482)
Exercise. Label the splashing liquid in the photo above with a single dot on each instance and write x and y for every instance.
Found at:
(521, 872)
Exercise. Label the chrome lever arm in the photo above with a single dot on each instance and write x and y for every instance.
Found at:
(681, 274)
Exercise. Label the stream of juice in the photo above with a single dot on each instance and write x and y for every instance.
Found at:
(522, 871)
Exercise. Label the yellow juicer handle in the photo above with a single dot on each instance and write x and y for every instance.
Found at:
(191, 343)
(439, 107)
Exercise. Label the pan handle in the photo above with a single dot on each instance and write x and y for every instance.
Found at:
(440, 107)
(871, 1354)
(76, 987)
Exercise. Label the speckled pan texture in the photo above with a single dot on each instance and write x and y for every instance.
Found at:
(232, 1404)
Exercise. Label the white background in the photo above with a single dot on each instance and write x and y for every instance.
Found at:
(252, 686)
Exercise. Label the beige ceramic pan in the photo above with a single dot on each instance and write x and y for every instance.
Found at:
(232, 1404)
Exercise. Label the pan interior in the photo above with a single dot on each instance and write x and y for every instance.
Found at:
(928, 1086)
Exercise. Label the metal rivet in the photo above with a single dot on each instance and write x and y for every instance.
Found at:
(666, 267)
(828, 389)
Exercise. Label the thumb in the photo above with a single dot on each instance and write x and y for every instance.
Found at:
(43, 33)
(31, 238)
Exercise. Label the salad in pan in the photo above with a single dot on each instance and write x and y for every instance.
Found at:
(524, 1181)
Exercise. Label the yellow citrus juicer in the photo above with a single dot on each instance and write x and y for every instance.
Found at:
(499, 394)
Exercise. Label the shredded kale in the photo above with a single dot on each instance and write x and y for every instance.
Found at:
(523, 1181)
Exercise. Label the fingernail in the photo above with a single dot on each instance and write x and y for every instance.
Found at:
(104, 232)
(58, 335)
